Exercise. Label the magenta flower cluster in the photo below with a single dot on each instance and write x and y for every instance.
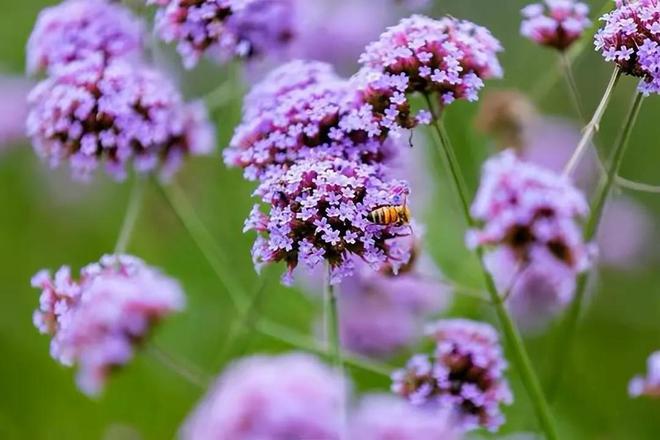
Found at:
(447, 58)
(648, 385)
(630, 37)
(464, 375)
(117, 113)
(283, 397)
(318, 212)
(80, 29)
(98, 320)
(530, 218)
(555, 23)
(225, 28)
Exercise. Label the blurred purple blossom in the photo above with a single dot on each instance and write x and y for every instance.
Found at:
(318, 212)
(92, 113)
(13, 109)
(448, 58)
(284, 397)
(75, 30)
(648, 385)
(382, 417)
(98, 320)
(225, 28)
(529, 217)
(465, 375)
(555, 23)
(631, 38)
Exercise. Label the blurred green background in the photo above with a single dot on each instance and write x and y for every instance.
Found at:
(47, 221)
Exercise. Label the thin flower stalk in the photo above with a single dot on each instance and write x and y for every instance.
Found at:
(131, 216)
(333, 339)
(180, 367)
(519, 353)
(566, 338)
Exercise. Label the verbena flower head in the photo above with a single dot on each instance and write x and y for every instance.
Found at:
(225, 28)
(531, 213)
(318, 212)
(464, 375)
(648, 385)
(381, 417)
(555, 23)
(296, 113)
(91, 113)
(77, 29)
(506, 115)
(631, 38)
(448, 58)
(284, 397)
(13, 109)
(98, 320)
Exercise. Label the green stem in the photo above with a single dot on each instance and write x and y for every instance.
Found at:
(206, 244)
(181, 367)
(520, 357)
(334, 341)
(566, 336)
(592, 127)
(573, 89)
(130, 218)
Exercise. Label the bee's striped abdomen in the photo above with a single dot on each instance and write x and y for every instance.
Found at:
(385, 215)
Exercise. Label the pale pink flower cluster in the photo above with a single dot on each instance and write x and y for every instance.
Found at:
(98, 320)
(648, 385)
(555, 23)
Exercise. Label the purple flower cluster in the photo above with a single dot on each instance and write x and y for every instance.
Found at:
(295, 114)
(318, 211)
(277, 398)
(13, 109)
(91, 113)
(381, 417)
(97, 321)
(648, 385)
(449, 58)
(225, 28)
(555, 23)
(631, 38)
(464, 375)
(78, 29)
(529, 217)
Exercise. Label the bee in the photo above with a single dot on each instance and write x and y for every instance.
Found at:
(396, 215)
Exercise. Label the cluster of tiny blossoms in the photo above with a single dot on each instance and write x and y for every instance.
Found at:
(464, 375)
(648, 385)
(78, 29)
(631, 38)
(279, 398)
(557, 23)
(92, 113)
(296, 113)
(529, 217)
(97, 321)
(225, 28)
(318, 211)
(448, 58)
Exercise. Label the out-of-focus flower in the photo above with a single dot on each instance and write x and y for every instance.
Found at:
(277, 398)
(555, 23)
(90, 113)
(529, 217)
(13, 109)
(505, 115)
(296, 113)
(319, 212)
(226, 28)
(77, 29)
(625, 235)
(631, 38)
(465, 375)
(97, 321)
(447, 58)
(381, 417)
(648, 385)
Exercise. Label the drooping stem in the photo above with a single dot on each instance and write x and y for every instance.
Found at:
(216, 259)
(592, 127)
(512, 336)
(181, 367)
(130, 218)
(333, 340)
(567, 333)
